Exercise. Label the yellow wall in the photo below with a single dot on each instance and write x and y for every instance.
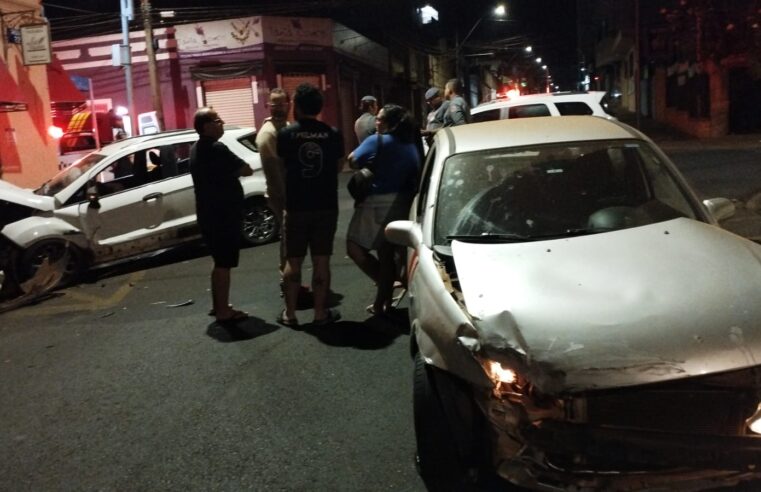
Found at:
(28, 155)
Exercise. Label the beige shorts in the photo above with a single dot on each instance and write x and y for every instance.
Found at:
(372, 215)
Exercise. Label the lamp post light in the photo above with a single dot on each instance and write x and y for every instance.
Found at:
(499, 11)
(528, 49)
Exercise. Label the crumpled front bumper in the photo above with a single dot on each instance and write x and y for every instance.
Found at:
(646, 447)
(609, 458)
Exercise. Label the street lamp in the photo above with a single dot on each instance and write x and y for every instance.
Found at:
(499, 11)
(528, 49)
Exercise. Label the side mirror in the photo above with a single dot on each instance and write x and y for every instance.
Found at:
(92, 196)
(720, 208)
(404, 233)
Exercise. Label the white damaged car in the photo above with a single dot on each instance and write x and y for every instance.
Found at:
(579, 320)
(131, 197)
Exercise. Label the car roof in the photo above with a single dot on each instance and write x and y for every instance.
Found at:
(595, 96)
(231, 131)
(534, 131)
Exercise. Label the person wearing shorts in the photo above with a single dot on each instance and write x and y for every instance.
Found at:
(311, 152)
(219, 206)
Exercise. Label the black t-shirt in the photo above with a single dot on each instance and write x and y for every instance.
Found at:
(311, 151)
(216, 171)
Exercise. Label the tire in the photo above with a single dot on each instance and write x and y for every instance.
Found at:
(31, 259)
(444, 463)
(259, 223)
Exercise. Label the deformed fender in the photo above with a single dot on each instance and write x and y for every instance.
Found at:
(25, 232)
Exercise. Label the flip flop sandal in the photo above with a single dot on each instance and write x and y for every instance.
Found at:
(332, 317)
(286, 321)
(213, 312)
(236, 316)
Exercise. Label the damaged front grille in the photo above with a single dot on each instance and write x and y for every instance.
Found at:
(717, 404)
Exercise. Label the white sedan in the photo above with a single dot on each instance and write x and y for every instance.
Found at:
(580, 322)
(130, 197)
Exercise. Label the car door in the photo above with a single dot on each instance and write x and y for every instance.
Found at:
(136, 203)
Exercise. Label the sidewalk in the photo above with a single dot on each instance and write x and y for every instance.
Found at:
(747, 220)
(669, 138)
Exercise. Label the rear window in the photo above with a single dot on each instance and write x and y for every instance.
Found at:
(490, 115)
(74, 143)
(528, 111)
(573, 108)
(249, 141)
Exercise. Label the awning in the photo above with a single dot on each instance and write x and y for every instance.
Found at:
(11, 98)
(62, 89)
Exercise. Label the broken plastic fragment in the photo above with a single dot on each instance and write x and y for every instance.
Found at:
(181, 304)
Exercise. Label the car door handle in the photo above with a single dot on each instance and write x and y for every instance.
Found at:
(152, 196)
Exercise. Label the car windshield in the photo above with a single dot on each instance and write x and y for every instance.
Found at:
(69, 175)
(557, 190)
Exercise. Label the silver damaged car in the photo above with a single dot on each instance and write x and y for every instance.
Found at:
(580, 321)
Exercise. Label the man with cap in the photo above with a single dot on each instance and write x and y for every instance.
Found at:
(435, 118)
(365, 124)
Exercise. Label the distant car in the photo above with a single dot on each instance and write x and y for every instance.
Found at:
(546, 104)
(130, 197)
(579, 321)
(75, 145)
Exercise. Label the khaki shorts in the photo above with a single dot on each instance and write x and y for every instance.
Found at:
(313, 230)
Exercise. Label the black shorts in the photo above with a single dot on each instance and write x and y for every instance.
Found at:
(314, 230)
(223, 241)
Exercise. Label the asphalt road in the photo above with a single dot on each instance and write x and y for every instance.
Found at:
(125, 383)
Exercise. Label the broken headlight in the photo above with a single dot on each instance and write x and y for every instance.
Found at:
(512, 386)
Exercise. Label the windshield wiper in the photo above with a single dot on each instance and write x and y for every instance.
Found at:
(489, 238)
(514, 238)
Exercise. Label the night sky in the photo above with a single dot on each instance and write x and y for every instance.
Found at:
(547, 25)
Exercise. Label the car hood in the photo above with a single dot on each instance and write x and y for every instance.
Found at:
(12, 193)
(653, 303)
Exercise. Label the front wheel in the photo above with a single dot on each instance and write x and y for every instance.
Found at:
(450, 454)
(259, 223)
(66, 259)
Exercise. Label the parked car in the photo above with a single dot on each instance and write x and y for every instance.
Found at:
(130, 197)
(75, 145)
(594, 103)
(579, 320)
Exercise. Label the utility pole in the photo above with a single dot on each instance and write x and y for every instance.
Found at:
(152, 72)
(637, 62)
(126, 61)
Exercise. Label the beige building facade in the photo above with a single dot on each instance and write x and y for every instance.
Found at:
(28, 155)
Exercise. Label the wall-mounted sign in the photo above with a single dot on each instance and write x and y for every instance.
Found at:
(35, 44)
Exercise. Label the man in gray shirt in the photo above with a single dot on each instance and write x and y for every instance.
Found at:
(435, 118)
(365, 124)
(458, 112)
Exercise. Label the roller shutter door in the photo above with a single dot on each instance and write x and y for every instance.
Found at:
(233, 99)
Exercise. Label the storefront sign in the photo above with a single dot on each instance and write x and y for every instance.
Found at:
(298, 31)
(35, 44)
(226, 35)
